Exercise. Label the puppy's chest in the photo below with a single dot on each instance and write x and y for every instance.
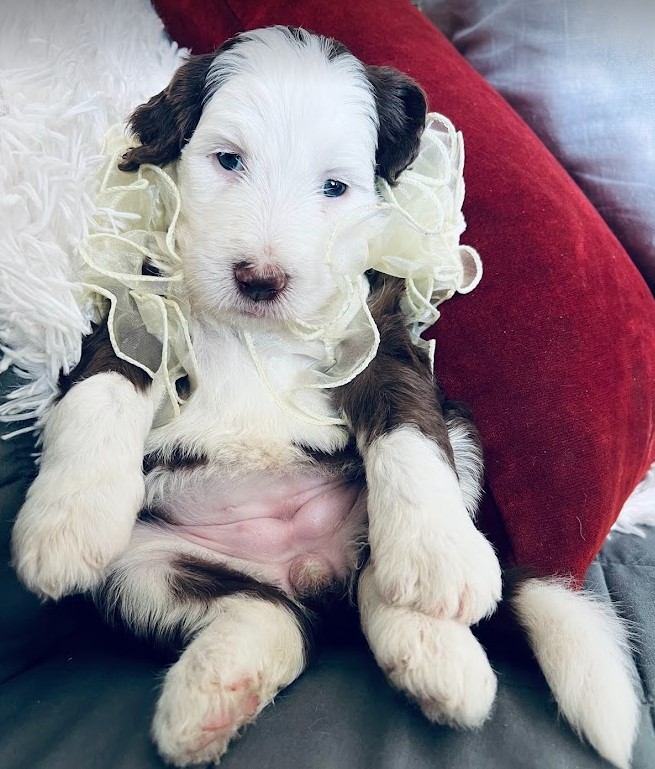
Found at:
(244, 419)
(232, 475)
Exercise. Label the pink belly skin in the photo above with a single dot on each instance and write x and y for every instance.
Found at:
(298, 532)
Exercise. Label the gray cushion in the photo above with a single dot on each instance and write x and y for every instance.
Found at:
(582, 75)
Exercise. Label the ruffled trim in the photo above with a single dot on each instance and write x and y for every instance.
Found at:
(147, 316)
(412, 233)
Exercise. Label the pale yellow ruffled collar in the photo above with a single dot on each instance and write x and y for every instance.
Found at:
(413, 233)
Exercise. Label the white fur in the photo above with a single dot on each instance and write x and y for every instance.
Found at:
(297, 119)
(639, 509)
(582, 648)
(139, 588)
(427, 553)
(438, 663)
(234, 419)
(232, 669)
(80, 510)
(79, 513)
(469, 465)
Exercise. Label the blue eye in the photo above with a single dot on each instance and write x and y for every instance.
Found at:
(334, 189)
(230, 161)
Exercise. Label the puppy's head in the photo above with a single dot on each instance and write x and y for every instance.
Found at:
(277, 136)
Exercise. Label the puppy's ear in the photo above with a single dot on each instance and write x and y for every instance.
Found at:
(165, 123)
(402, 107)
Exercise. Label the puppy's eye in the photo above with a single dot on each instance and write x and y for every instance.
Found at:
(230, 161)
(333, 188)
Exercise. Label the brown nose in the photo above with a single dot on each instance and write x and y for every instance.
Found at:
(261, 284)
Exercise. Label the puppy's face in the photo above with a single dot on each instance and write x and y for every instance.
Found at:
(284, 147)
(277, 136)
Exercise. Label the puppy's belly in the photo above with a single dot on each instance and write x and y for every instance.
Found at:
(299, 532)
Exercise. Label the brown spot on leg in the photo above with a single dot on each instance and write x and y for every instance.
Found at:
(98, 357)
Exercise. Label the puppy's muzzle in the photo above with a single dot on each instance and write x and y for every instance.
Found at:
(261, 284)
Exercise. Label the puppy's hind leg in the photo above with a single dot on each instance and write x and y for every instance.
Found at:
(437, 663)
(467, 454)
(245, 640)
(232, 669)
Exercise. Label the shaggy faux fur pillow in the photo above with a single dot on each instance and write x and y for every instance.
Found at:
(555, 350)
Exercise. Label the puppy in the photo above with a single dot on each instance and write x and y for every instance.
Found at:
(224, 530)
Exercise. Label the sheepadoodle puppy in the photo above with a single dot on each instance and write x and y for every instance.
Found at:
(226, 529)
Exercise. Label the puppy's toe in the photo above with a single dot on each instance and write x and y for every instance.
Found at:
(56, 552)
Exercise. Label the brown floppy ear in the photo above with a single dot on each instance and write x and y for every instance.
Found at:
(165, 123)
(402, 107)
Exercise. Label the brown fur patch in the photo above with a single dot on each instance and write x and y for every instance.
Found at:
(195, 579)
(98, 357)
(402, 107)
(178, 459)
(397, 387)
(165, 123)
(155, 515)
(347, 463)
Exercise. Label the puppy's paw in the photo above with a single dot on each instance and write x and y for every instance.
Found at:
(437, 663)
(448, 570)
(201, 709)
(63, 540)
(230, 671)
(446, 673)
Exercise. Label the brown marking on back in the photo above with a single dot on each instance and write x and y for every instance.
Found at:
(397, 387)
(98, 357)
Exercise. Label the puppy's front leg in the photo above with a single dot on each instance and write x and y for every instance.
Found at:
(80, 510)
(426, 553)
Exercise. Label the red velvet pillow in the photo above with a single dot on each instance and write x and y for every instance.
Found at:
(555, 350)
